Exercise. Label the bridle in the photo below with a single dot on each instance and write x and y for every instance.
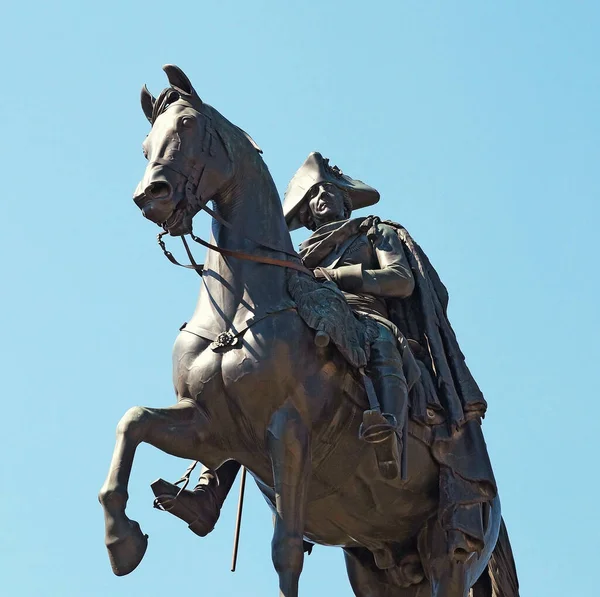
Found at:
(193, 197)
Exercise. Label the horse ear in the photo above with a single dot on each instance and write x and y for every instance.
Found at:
(147, 103)
(179, 81)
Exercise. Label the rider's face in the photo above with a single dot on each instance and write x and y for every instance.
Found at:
(326, 203)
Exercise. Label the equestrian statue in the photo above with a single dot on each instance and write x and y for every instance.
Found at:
(332, 374)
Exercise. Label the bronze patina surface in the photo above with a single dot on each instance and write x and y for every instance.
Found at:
(332, 375)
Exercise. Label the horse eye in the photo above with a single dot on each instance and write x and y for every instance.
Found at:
(187, 122)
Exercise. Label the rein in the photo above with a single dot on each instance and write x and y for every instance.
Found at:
(190, 193)
(199, 268)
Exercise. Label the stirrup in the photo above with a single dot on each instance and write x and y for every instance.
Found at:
(376, 427)
(380, 430)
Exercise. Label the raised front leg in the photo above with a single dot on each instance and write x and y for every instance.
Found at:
(175, 430)
(288, 440)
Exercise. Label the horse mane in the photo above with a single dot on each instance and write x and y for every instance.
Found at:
(169, 96)
(166, 97)
(232, 129)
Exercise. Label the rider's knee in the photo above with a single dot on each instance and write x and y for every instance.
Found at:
(385, 348)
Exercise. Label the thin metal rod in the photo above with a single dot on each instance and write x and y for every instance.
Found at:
(404, 456)
(238, 522)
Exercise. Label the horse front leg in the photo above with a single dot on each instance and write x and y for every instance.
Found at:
(288, 442)
(175, 430)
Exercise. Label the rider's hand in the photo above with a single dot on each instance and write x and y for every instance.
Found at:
(322, 273)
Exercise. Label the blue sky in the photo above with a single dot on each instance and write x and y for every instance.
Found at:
(479, 124)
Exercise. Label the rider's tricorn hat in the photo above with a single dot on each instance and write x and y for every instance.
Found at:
(316, 169)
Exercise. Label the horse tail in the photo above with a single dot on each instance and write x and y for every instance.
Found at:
(500, 578)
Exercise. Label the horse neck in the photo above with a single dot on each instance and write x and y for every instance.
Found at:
(234, 288)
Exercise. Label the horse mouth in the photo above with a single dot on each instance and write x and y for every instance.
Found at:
(177, 224)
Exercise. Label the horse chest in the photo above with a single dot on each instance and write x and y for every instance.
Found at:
(250, 370)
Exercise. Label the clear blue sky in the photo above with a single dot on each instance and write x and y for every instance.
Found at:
(479, 124)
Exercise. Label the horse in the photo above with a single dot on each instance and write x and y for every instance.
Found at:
(254, 386)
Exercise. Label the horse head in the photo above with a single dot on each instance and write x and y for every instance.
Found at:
(191, 151)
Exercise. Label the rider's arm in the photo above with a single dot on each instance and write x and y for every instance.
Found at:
(393, 278)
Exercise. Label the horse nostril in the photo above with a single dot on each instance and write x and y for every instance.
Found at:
(158, 190)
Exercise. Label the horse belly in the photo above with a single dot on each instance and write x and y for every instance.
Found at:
(368, 509)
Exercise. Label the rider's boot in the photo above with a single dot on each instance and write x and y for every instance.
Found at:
(385, 429)
(200, 507)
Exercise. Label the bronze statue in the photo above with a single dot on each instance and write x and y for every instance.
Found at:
(274, 371)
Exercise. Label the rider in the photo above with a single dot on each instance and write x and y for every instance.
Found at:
(366, 260)
(372, 263)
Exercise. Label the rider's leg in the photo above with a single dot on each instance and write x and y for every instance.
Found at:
(386, 372)
(201, 507)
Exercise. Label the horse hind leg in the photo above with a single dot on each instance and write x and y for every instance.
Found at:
(453, 574)
(449, 573)
(367, 580)
(288, 441)
(175, 430)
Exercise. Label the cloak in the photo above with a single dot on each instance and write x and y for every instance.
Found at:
(446, 402)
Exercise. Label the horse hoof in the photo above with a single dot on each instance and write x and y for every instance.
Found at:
(126, 552)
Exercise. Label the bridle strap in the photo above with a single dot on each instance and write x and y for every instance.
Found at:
(248, 257)
(191, 193)
(198, 268)
(161, 243)
(221, 220)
